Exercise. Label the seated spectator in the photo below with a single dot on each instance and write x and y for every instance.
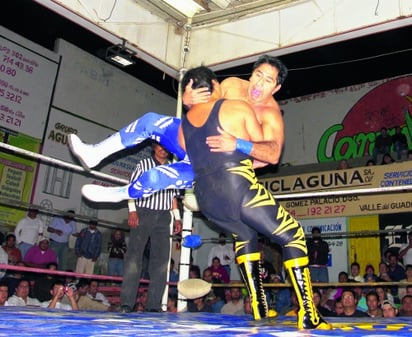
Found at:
(372, 301)
(406, 306)
(342, 278)
(43, 284)
(12, 278)
(355, 273)
(317, 295)
(216, 296)
(218, 271)
(349, 303)
(94, 293)
(141, 301)
(338, 307)
(294, 307)
(360, 297)
(407, 279)
(383, 294)
(281, 296)
(13, 253)
(57, 291)
(235, 305)
(400, 143)
(370, 162)
(343, 165)
(370, 275)
(389, 309)
(173, 278)
(387, 159)
(383, 273)
(247, 306)
(86, 303)
(408, 290)
(22, 298)
(40, 255)
(4, 294)
(268, 273)
(194, 271)
(171, 303)
(396, 272)
(199, 305)
(383, 143)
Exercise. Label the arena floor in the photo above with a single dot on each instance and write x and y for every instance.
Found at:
(39, 322)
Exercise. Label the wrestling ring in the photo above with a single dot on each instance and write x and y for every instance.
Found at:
(29, 321)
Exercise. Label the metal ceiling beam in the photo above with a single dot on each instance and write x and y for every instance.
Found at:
(234, 36)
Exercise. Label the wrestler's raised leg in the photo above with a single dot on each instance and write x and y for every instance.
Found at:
(178, 175)
(160, 128)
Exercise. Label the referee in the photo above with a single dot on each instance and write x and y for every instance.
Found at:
(149, 218)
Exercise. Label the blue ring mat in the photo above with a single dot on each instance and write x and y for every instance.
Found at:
(24, 321)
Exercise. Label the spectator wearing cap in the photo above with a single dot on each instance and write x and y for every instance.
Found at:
(39, 256)
(88, 248)
(28, 230)
(60, 229)
(389, 309)
(318, 253)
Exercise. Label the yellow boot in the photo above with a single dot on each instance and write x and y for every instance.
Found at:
(250, 270)
(308, 315)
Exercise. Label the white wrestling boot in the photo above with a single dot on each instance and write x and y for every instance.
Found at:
(99, 193)
(90, 155)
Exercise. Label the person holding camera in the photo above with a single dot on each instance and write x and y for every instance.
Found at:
(58, 290)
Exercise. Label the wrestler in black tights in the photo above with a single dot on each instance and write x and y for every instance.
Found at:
(228, 193)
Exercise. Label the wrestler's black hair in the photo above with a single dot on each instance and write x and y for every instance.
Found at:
(202, 78)
(274, 62)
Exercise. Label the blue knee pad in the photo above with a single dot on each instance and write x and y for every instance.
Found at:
(161, 128)
(178, 175)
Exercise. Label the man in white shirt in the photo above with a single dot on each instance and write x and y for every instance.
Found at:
(28, 231)
(95, 295)
(21, 298)
(405, 252)
(224, 252)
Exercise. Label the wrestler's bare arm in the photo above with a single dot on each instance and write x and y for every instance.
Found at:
(270, 117)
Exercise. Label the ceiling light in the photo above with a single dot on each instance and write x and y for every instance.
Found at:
(187, 7)
(120, 55)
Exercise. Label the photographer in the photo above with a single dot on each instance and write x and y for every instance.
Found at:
(58, 290)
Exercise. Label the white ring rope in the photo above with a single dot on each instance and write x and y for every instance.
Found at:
(123, 181)
(78, 168)
(62, 163)
(12, 203)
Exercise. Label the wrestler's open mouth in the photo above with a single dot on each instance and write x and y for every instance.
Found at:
(255, 93)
